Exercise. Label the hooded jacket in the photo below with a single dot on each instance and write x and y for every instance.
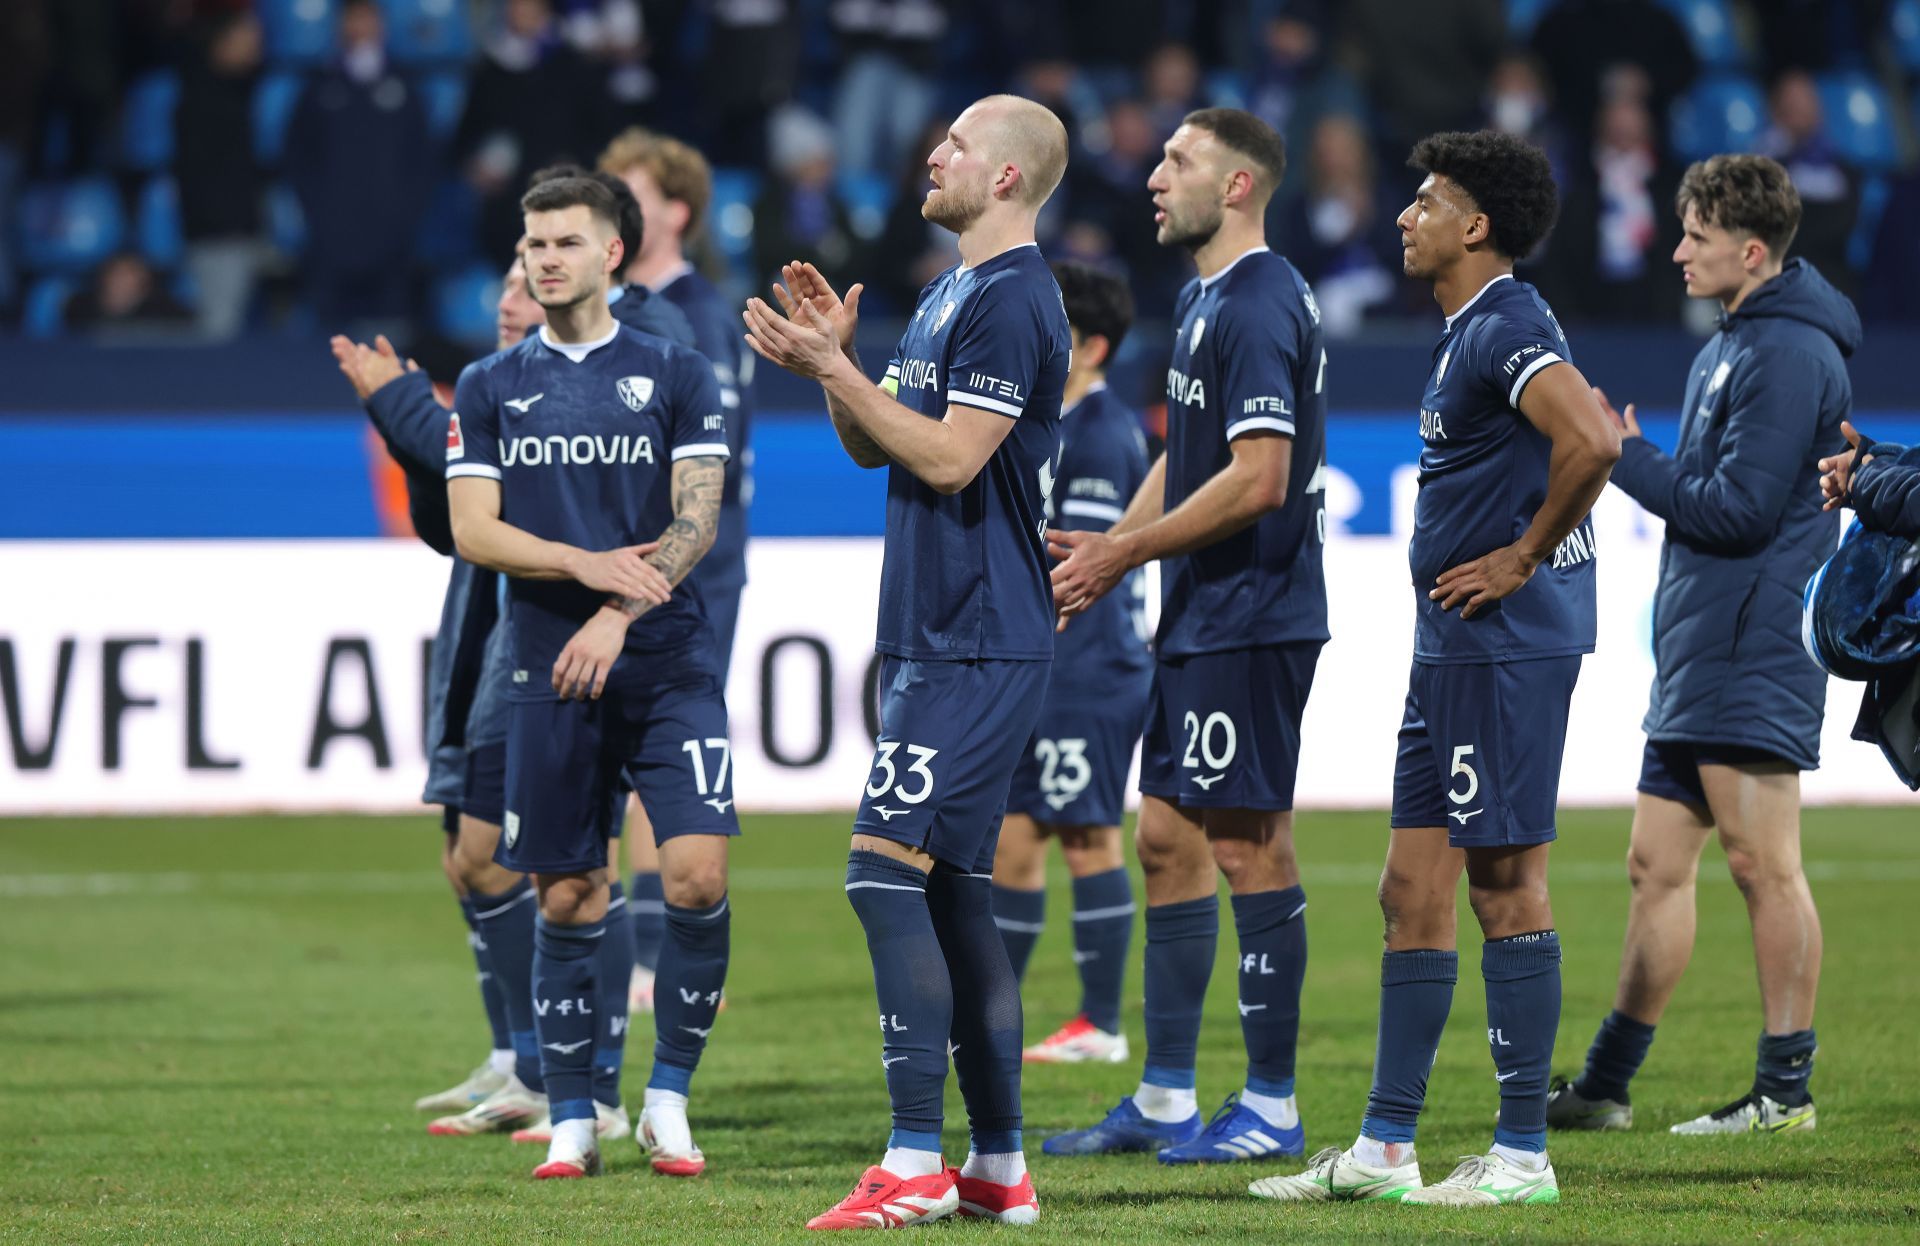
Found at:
(1741, 499)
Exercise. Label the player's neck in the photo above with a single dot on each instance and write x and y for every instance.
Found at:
(993, 235)
(1236, 236)
(1079, 385)
(1456, 287)
(589, 320)
(656, 270)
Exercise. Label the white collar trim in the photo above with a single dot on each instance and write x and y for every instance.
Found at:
(997, 254)
(1207, 281)
(1476, 298)
(577, 351)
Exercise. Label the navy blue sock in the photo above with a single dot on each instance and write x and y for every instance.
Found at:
(986, 1005)
(566, 1003)
(1784, 1070)
(1020, 915)
(614, 967)
(505, 921)
(647, 903)
(1416, 992)
(490, 997)
(1272, 926)
(1102, 933)
(1618, 1050)
(686, 996)
(1181, 939)
(916, 995)
(1522, 974)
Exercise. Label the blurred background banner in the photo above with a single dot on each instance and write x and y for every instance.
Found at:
(287, 675)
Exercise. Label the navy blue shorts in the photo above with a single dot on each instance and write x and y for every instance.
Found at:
(1074, 769)
(950, 736)
(1671, 768)
(1223, 729)
(1480, 750)
(566, 761)
(485, 797)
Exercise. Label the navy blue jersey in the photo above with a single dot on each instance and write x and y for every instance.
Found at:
(717, 334)
(966, 574)
(1103, 460)
(1249, 357)
(582, 439)
(1483, 476)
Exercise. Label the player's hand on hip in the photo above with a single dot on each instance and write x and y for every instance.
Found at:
(1485, 579)
(1837, 471)
(1091, 564)
(1625, 421)
(803, 284)
(580, 672)
(805, 346)
(625, 573)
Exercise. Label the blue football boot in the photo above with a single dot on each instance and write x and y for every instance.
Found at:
(1124, 1130)
(1237, 1132)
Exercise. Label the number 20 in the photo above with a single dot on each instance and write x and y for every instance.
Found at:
(1201, 734)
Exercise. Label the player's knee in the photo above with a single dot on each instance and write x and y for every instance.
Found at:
(1518, 906)
(1091, 849)
(1239, 859)
(1759, 872)
(696, 885)
(1658, 871)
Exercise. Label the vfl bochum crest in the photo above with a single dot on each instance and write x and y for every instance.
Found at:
(635, 390)
(1199, 327)
(942, 317)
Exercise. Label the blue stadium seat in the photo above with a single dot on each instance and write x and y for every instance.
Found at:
(428, 31)
(298, 32)
(1903, 33)
(449, 227)
(273, 104)
(1710, 31)
(868, 197)
(1226, 88)
(44, 314)
(731, 214)
(157, 223)
(1722, 113)
(1859, 119)
(1524, 15)
(465, 304)
(286, 222)
(70, 226)
(146, 121)
(445, 97)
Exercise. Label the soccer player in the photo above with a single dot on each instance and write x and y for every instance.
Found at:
(466, 766)
(673, 185)
(1515, 451)
(565, 455)
(1071, 781)
(967, 422)
(1235, 512)
(1736, 707)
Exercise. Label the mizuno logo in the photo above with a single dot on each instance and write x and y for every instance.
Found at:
(1461, 817)
(1246, 1008)
(696, 1031)
(566, 1049)
(1205, 782)
(521, 404)
(1059, 801)
(886, 813)
(889, 1061)
(719, 806)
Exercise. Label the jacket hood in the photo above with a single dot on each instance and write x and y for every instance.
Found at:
(1801, 293)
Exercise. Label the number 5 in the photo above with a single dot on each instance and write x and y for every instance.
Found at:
(1460, 766)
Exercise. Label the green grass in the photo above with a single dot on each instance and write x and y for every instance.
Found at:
(219, 1038)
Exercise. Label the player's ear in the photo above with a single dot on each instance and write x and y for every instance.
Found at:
(1094, 349)
(1007, 185)
(1479, 228)
(616, 255)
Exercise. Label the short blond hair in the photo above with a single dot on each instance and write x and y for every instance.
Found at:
(1028, 135)
(679, 170)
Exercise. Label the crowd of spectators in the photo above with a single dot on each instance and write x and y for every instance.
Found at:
(223, 166)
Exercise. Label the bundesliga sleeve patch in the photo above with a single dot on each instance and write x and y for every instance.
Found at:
(456, 445)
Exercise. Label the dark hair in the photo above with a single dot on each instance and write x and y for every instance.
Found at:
(1745, 194)
(1246, 135)
(1098, 303)
(632, 225)
(1507, 177)
(559, 193)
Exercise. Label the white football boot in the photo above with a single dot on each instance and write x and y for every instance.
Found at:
(1334, 1174)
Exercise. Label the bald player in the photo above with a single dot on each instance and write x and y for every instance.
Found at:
(967, 424)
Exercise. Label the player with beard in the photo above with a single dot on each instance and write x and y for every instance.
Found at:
(967, 422)
(1235, 512)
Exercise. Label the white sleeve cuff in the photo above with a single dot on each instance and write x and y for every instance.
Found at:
(1092, 510)
(473, 469)
(1526, 374)
(700, 449)
(965, 399)
(1273, 423)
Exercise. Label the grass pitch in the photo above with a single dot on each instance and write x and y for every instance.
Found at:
(212, 1030)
